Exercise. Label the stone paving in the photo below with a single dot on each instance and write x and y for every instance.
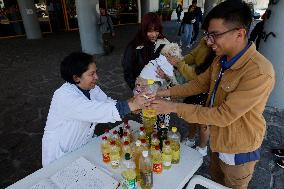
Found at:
(29, 74)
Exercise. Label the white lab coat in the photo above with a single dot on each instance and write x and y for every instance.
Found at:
(72, 119)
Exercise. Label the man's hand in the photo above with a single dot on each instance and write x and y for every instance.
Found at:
(140, 101)
(163, 106)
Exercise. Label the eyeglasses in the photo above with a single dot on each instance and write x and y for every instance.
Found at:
(213, 36)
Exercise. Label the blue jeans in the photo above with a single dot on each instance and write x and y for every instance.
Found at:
(186, 36)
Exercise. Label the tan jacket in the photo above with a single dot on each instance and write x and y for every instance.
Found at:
(237, 123)
(195, 58)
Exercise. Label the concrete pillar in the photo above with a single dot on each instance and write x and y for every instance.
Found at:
(208, 5)
(30, 20)
(139, 10)
(272, 49)
(91, 37)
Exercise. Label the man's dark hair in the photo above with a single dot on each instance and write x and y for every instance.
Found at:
(194, 2)
(75, 63)
(233, 12)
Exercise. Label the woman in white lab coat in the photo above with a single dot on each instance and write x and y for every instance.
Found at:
(77, 106)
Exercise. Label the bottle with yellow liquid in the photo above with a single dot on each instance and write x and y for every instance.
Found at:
(114, 155)
(129, 174)
(157, 160)
(126, 149)
(150, 115)
(141, 134)
(137, 152)
(154, 141)
(146, 171)
(174, 138)
(105, 149)
(167, 155)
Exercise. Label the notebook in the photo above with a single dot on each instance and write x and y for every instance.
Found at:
(80, 174)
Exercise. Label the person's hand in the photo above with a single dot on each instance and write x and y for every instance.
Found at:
(162, 93)
(140, 101)
(173, 60)
(161, 73)
(113, 34)
(163, 106)
(193, 21)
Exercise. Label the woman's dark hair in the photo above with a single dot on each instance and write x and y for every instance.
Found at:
(75, 63)
(233, 12)
(150, 21)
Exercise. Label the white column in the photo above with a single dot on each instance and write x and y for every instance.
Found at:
(139, 10)
(272, 49)
(30, 20)
(91, 39)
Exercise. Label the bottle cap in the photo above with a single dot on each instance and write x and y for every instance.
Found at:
(143, 141)
(106, 130)
(142, 128)
(138, 143)
(167, 142)
(126, 143)
(145, 153)
(150, 81)
(157, 147)
(112, 142)
(104, 138)
(114, 132)
(174, 129)
(127, 156)
(125, 134)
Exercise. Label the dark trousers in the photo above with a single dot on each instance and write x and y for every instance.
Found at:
(108, 47)
(195, 31)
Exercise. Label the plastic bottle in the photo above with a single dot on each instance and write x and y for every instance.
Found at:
(137, 152)
(150, 115)
(115, 137)
(157, 160)
(146, 171)
(125, 137)
(107, 134)
(126, 149)
(114, 155)
(174, 138)
(141, 134)
(105, 149)
(167, 155)
(154, 141)
(144, 144)
(129, 174)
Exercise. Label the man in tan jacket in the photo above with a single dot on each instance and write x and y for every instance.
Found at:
(239, 82)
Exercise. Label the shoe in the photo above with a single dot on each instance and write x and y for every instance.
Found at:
(278, 152)
(202, 151)
(189, 142)
(280, 162)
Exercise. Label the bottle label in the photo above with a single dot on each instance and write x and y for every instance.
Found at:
(106, 157)
(176, 155)
(147, 178)
(115, 162)
(130, 183)
(157, 167)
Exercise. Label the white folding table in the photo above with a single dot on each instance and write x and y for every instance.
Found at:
(176, 177)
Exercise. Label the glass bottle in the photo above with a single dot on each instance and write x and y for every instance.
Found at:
(128, 173)
(114, 155)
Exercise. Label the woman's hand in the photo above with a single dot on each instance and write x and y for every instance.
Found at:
(163, 106)
(140, 101)
(173, 60)
(163, 93)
